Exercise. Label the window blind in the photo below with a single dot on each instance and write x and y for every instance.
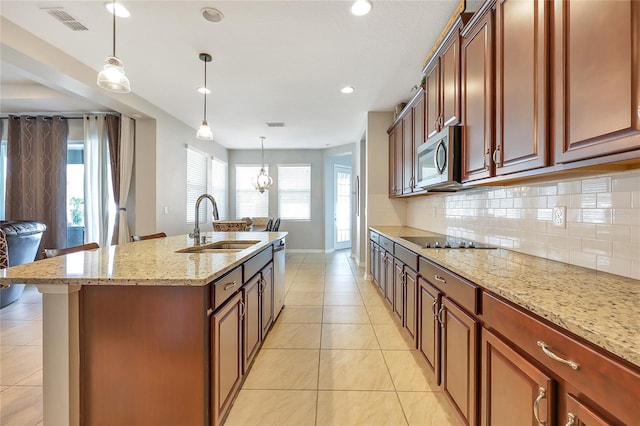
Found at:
(294, 192)
(196, 183)
(219, 185)
(249, 201)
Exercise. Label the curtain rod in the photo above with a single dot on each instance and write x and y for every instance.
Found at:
(68, 118)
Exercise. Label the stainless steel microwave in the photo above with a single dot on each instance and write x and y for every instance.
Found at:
(439, 161)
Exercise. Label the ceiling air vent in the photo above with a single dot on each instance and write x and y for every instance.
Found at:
(275, 124)
(65, 18)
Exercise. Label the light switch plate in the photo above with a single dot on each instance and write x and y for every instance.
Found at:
(559, 216)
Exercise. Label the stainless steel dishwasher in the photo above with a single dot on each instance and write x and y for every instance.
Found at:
(278, 276)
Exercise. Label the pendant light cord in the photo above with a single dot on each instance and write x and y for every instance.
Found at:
(205, 90)
(262, 149)
(114, 28)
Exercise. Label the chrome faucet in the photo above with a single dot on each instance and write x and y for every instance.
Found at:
(196, 230)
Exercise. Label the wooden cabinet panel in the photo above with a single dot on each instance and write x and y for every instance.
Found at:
(521, 85)
(450, 81)
(389, 273)
(428, 325)
(398, 289)
(392, 162)
(580, 414)
(432, 100)
(465, 293)
(373, 261)
(512, 387)
(460, 360)
(418, 121)
(398, 145)
(226, 329)
(266, 299)
(407, 154)
(596, 87)
(477, 100)
(257, 262)
(251, 320)
(382, 270)
(410, 302)
(224, 287)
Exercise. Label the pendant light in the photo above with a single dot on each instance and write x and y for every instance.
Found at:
(112, 76)
(263, 181)
(204, 132)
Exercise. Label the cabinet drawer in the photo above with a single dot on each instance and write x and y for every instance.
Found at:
(462, 291)
(374, 236)
(257, 262)
(387, 244)
(225, 287)
(609, 383)
(407, 257)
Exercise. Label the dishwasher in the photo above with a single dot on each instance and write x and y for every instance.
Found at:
(278, 276)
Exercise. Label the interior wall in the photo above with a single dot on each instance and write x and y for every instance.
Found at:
(602, 228)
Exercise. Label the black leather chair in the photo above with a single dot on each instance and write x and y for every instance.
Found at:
(269, 225)
(23, 239)
(276, 225)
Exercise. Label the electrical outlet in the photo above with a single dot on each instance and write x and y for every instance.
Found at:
(559, 216)
(166, 209)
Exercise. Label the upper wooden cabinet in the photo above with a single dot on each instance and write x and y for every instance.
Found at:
(595, 71)
(407, 154)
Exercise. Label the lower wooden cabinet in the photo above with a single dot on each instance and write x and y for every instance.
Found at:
(226, 371)
(251, 320)
(580, 414)
(428, 325)
(398, 287)
(514, 391)
(410, 317)
(389, 274)
(266, 299)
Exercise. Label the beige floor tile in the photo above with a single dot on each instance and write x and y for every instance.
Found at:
(340, 287)
(33, 380)
(359, 408)
(391, 337)
(309, 278)
(381, 314)
(408, 372)
(309, 287)
(301, 315)
(31, 294)
(21, 405)
(273, 407)
(284, 369)
(343, 299)
(7, 324)
(349, 336)
(20, 363)
(345, 315)
(303, 298)
(353, 370)
(21, 311)
(23, 333)
(294, 336)
(428, 409)
(373, 301)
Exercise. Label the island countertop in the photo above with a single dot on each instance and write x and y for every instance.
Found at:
(599, 307)
(151, 262)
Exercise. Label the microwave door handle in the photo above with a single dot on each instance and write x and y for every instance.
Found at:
(439, 146)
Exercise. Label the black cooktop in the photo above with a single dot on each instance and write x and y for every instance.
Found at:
(446, 242)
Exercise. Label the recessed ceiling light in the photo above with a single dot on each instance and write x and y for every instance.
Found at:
(121, 11)
(361, 7)
(204, 90)
(347, 89)
(212, 15)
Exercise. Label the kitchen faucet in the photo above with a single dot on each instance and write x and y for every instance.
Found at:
(196, 230)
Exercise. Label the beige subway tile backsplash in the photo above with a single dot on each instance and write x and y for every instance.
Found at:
(602, 228)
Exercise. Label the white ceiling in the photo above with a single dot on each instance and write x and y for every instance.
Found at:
(273, 61)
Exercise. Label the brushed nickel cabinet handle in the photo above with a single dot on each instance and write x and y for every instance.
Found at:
(555, 357)
(433, 308)
(572, 420)
(228, 286)
(439, 278)
(440, 318)
(536, 406)
(242, 312)
(495, 156)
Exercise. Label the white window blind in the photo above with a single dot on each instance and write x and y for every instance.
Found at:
(219, 186)
(249, 201)
(196, 183)
(294, 192)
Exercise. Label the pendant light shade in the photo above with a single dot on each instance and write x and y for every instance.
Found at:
(112, 76)
(204, 131)
(263, 181)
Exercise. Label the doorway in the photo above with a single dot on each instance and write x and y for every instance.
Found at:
(342, 207)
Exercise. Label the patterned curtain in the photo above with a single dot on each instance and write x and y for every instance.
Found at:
(36, 174)
(113, 137)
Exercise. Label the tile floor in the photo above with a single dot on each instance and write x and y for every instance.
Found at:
(335, 356)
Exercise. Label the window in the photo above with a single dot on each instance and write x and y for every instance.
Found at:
(75, 193)
(294, 192)
(249, 201)
(196, 183)
(219, 185)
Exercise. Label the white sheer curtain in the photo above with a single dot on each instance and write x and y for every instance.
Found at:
(126, 168)
(96, 180)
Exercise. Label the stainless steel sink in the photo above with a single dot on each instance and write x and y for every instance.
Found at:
(226, 246)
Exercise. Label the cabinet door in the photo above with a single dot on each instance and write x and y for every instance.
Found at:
(397, 155)
(521, 85)
(432, 100)
(372, 261)
(418, 132)
(251, 322)
(410, 320)
(450, 81)
(398, 288)
(477, 101)
(428, 325)
(579, 414)
(460, 360)
(266, 296)
(596, 85)
(407, 153)
(389, 274)
(392, 161)
(512, 387)
(226, 329)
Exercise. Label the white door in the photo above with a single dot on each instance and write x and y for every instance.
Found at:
(342, 207)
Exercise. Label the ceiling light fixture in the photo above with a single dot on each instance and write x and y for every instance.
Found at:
(361, 7)
(263, 181)
(347, 89)
(112, 76)
(204, 132)
(120, 10)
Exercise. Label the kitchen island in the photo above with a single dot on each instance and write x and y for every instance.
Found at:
(132, 332)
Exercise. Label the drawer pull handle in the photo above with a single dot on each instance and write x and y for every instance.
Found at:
(440, 318)
(536, 406)
(242, 309)
(572, 420)
(228, 286)
(553, 356)
(439, 278)
(433, 307)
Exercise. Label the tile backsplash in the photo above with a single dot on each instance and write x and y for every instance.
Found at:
(602, 229)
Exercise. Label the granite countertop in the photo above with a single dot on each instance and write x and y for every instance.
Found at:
(599, 307)
(150, 262)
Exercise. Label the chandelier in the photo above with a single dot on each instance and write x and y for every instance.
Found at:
(262, 182)
(204, 131)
